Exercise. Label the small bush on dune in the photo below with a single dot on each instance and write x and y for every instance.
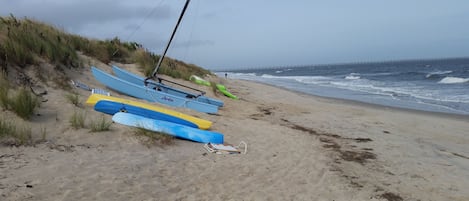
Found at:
(77, 120)
(6, 128)
(24, 103)
(23, 136)
(73, 98)
(100, 125)
(152, 137)
(12, 135)
(4, 88)
(145, 60)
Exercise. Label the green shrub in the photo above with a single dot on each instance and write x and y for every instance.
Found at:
(24, 103)
(73, 98)
(77, 120)
(10, 134)
(100, 125)
(145, 60)
(23, 136)
(4, 88)
(43, 133)
(6, 128)
(151, 137)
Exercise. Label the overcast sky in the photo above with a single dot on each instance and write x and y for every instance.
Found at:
(220, 34)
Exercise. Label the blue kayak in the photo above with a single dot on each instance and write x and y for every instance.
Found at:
(110, 107)
(176, 130)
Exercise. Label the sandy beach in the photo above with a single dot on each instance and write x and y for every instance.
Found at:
(300, 147)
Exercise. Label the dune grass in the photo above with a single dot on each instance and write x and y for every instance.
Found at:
(4, 89)
(100, 125)
(6, 128)
(77, 120)
(26, 42)
(73, 98)
(12, 134)
(153, 138)
(23, 103)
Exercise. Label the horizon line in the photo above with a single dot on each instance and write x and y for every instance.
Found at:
(341, 64)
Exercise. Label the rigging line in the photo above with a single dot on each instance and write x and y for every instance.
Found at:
(153, 74)
(196, 13)
(145, 19)
(141, 24)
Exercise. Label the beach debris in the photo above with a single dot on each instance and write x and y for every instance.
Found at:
(242, 148)
(80, 85)
(100, 91)
(391, 196)
(84, 86)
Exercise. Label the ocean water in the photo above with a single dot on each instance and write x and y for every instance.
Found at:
(437, 85)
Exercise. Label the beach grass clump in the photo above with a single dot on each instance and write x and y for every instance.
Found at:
(23, 103)
(4, 89)
(100, 125)
(152, 137)
(43, 133)
(181, 70)
(77, 120)
(27, 40)
(11, 134)
(6, 128)
(23, 136)
(145, 60)
(62, 83)
(73, 98)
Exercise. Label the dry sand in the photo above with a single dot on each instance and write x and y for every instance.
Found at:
(300, 147)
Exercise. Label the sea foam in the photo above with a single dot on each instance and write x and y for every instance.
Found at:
(453, 80)
(438, 73)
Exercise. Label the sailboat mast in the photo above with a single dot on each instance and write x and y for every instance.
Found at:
(153, 74)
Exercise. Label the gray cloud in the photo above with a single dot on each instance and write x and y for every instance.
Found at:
(74, 15)
(194, 43)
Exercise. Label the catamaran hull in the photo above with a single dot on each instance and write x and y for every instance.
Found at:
(149, 94)
(135, 79)
(173, 129)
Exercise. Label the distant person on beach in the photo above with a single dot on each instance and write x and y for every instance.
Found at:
(226, 75)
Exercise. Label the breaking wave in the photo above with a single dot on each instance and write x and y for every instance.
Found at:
(453, 80)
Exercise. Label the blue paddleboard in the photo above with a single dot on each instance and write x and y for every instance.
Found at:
(176, 130)
(110, 107)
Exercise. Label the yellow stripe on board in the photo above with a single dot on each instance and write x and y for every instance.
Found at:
(201, 123)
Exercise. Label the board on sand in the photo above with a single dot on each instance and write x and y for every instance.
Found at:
(223, 90)
(220, 87)
(177, 130)
(199, 80)
(201, 123)
(110, 107)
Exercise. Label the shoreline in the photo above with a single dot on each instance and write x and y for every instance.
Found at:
(300, 147)
(368, 104)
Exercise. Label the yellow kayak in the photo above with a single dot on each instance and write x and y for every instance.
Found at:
(201, 123)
